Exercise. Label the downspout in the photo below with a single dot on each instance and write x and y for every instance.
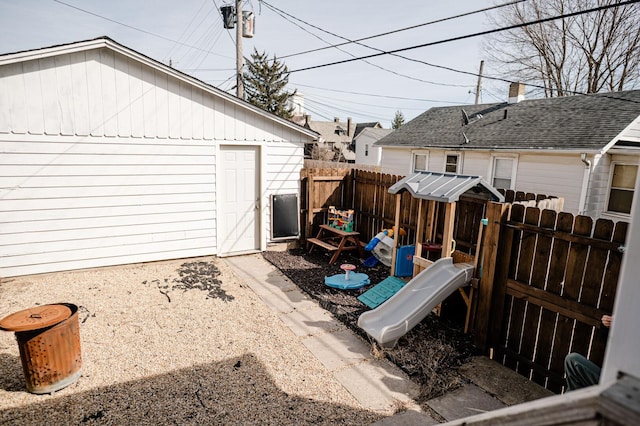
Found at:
(585, 183)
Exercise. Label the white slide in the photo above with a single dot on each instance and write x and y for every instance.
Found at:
(405, 309)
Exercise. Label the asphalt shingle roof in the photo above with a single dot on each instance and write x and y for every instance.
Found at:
(580, 122)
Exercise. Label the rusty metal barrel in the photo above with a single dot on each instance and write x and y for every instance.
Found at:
(49, 341)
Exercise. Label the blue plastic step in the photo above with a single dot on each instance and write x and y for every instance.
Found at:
(378, 294)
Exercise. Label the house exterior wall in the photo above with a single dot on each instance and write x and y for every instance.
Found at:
(366, 152)
(559, 175)
(600, 184)
(395, 161)
(107, 160)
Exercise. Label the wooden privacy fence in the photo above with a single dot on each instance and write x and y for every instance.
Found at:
(550, 279)
(374, 207)
(546, 277)
(367, 194)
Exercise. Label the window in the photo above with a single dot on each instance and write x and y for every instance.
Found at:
(452, 163)
(623, 184)
(503, 176)
(420, 161)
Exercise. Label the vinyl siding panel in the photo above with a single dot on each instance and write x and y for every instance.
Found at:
(598, 185)
(374, 156)
(85, 204)
(477, 163)
(107, 160)
(284, 162)
(557, 175)
(396, 161)
(601, 183)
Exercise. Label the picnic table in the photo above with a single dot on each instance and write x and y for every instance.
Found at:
(336, 240)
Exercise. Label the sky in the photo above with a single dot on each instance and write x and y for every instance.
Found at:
(189, 34)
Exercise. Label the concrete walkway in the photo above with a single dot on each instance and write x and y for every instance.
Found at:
(377, 384)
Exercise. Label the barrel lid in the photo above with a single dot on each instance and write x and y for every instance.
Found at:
(35, 318)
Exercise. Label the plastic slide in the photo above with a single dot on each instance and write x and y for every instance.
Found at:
(405, 309)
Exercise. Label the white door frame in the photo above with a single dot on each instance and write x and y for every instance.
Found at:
(221, 226)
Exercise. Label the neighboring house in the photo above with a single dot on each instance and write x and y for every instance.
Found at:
(361, 126)
(110, 157)
(584, 148)
(334, 143)
(366, 152)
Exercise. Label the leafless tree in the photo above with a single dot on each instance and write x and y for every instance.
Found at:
(588, 53)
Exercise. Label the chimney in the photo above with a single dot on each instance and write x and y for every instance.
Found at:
(348, 126)
(307, 119)
(336, 119)
(516, 93)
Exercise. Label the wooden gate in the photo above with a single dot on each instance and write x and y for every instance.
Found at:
(555, 277)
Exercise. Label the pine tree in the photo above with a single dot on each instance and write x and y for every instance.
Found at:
(398, 120)
(264, 83)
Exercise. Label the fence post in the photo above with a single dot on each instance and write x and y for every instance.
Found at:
(310, 206)
(496, 213)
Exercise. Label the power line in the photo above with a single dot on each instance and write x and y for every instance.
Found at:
(375, 96)
(284, 15)
(437, 21)
(511, 27)
(186, 28)
(137, 29)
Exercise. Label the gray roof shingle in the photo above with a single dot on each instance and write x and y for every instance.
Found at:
(579, 122)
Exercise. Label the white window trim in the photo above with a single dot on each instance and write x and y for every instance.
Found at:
(415, 152)
(514, 169)
(459, 164)
(612, 168)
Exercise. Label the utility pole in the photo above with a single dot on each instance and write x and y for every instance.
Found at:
(479, 85)
(239, 58)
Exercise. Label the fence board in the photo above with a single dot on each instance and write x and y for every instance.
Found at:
(547, 317)
(555, 281)
(532, 311)
(574, 281)
(514, 316)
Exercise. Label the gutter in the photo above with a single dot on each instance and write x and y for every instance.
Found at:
(585, 183)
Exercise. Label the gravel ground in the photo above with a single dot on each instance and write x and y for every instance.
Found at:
(174, 342)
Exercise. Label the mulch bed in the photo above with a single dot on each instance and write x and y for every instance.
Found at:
(430, 353)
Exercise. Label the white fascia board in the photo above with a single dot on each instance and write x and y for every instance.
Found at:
(634, 123)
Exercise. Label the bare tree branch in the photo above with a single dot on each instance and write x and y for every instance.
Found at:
(587, 53)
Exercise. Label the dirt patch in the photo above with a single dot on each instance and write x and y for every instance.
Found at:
(430, 353)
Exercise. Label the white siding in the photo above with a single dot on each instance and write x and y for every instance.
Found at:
(366, 152)
(476, 163)
(284, 160)
(69, 203)
(558, 175)
(598, 185)
(109, 161)
(396, 161)
(601, 185)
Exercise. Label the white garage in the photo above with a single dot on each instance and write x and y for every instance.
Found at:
(109, 157)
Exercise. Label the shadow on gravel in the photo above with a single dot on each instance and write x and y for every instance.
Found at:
(229, 392)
